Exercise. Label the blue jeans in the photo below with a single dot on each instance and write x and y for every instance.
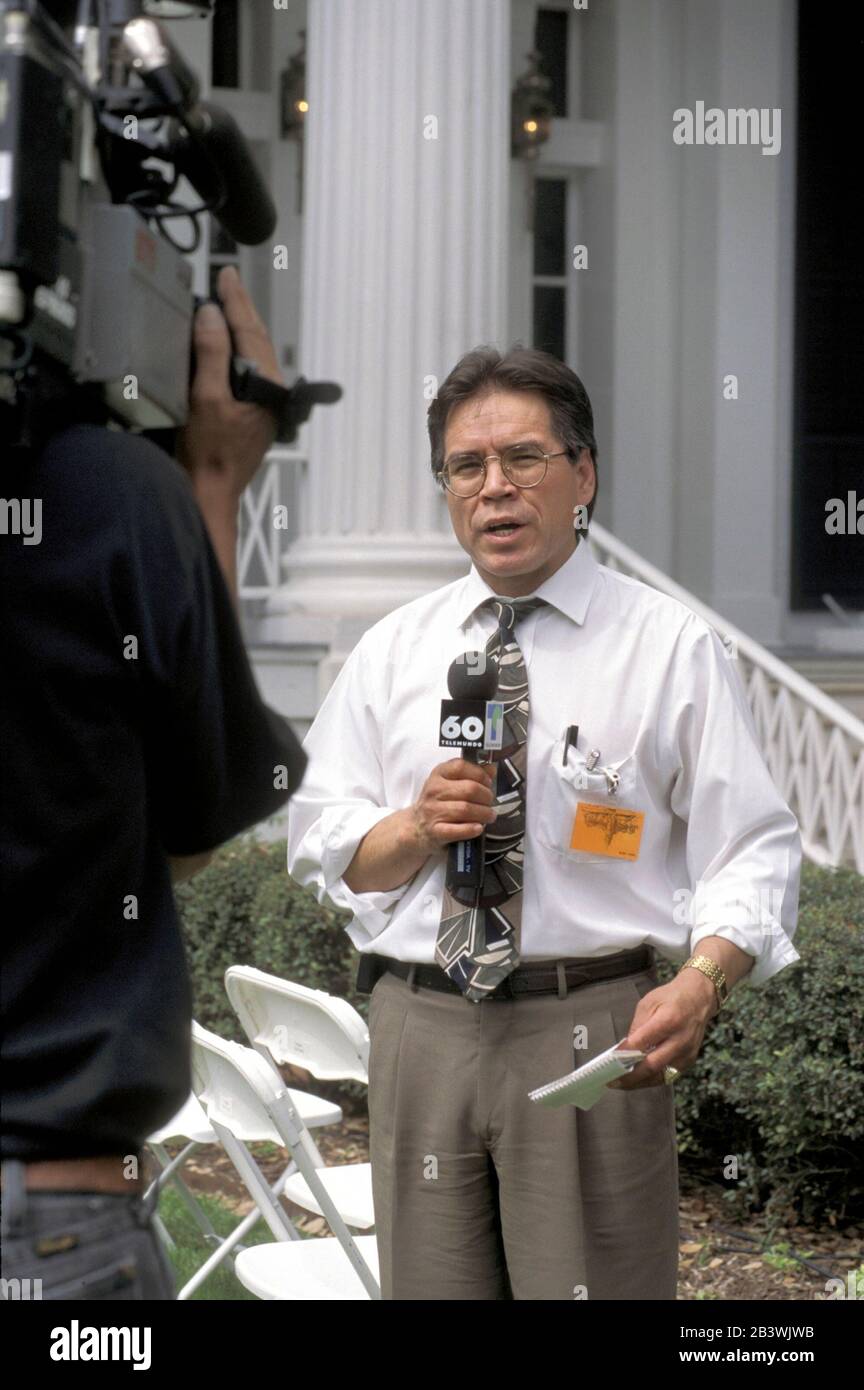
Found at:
(79, 1245)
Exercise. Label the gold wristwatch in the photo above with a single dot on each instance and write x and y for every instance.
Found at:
(710, 968)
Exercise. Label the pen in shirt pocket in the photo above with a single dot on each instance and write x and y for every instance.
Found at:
(570, 740)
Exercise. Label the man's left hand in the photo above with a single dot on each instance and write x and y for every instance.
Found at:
(669, 1024)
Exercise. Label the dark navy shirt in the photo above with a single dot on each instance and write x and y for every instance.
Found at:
(131, 729)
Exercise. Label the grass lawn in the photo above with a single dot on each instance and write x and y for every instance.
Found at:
(192, 1249)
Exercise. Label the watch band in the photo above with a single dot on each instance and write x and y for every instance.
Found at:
(710, 968)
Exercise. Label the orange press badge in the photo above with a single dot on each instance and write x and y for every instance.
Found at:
(609, 830)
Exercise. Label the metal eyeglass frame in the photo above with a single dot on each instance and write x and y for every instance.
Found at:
(522, 486)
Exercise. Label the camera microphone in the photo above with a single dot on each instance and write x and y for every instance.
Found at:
(216, 159)
(204, 141)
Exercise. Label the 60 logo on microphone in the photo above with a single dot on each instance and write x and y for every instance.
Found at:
(471, 724)
(467, 730)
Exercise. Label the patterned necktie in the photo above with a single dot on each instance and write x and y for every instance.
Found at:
(479, 935)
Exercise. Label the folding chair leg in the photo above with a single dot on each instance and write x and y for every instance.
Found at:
(163, 1233)
(297, 1142)
(213, 1261)
(170, 1173)
(234, 1239)
(264, 1197)
(169, 1165)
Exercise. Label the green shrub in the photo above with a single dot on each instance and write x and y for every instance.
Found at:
(778, 1084)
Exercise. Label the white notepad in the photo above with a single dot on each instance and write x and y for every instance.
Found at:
(585, 1086)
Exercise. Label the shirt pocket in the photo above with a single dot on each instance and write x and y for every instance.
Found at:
(610, 787)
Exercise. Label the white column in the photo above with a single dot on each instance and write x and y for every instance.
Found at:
(691, 280)
(736, 245)
(644, 243)
(755, 265)
(404, 269)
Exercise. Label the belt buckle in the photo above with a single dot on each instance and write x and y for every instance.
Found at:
(503, 989)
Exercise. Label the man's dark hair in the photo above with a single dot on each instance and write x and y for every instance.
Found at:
(485, 369)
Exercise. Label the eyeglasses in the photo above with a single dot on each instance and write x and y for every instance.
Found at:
(524, 466)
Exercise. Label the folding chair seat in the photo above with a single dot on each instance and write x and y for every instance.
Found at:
(305, 1272)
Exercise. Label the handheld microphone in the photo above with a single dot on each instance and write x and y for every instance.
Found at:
(472, 722)
(473, 676)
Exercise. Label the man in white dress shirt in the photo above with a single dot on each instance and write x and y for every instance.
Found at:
(649, 823)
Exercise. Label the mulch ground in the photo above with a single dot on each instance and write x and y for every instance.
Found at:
(719, 1259)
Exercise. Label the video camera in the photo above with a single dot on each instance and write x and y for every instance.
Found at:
(96, 300)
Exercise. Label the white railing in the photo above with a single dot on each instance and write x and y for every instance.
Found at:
(812, 745)
(262, 543)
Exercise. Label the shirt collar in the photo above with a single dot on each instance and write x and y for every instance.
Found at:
(569, 589)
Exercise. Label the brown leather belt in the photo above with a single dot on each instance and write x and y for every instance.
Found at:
(103, 1174)
(533, 977)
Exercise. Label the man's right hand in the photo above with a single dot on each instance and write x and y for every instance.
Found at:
(455, 803)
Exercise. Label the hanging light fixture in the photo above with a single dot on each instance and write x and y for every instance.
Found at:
(531, 110)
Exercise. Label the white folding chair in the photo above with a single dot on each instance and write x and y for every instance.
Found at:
(244, 1099)
(290, 1024)
(190, 1123)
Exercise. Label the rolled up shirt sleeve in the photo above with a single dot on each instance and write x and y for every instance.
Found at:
(743, 845)
(343, 796)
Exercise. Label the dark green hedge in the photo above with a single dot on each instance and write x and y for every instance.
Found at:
(243, 909)
(778, 1085)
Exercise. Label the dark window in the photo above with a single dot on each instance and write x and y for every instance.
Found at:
(225, 51)
(829, 298)
(550, 41)
(549, 304)
(550, 203)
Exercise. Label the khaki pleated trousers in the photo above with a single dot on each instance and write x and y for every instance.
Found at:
(480, 1193)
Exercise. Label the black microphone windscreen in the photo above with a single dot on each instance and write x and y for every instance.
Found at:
(247, 214)
(473, 676)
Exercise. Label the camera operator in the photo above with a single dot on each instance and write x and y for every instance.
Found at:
(135, 742)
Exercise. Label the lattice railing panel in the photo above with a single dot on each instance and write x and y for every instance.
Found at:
(813, 746)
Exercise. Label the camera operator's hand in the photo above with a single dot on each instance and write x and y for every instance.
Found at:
(224, 440)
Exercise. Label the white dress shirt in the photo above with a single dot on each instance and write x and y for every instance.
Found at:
(652, 687)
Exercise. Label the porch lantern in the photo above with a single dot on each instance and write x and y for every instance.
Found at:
(292, 94)
(531, 109)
